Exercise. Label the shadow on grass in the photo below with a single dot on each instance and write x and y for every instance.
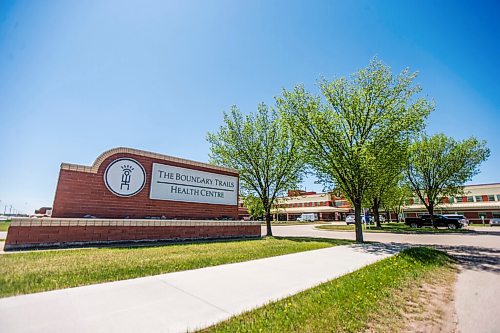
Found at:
(147, 244)
(316, 239)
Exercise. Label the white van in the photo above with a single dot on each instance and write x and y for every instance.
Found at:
(309, 217)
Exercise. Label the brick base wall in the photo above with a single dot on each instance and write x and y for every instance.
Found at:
(31, 234)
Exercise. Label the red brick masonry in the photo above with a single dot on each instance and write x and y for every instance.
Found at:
(81, 191)
(38, 233)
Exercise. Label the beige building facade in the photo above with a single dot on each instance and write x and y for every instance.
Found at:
(481, 201)
(325, 206)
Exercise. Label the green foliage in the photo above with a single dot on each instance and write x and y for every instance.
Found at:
(254, 206)
(355, 127)
(373, 295)
(396, 197)
(438, 166)
(23, 273)
(387, 175)
(264, 151)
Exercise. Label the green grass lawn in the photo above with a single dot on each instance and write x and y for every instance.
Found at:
(281, 223)
(394, 227)
(487, 224)
(4, 226)
(374, 298)
(23, 273)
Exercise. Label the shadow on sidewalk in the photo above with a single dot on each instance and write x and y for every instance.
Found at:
(474, 257)
(380, 248)
(469, 257)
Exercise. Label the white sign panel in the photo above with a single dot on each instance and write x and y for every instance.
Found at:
(181, 184)
(125, 177)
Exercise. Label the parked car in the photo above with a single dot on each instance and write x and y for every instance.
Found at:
(349, 219)
(440, 220)
(494, 221)
(458, 216)
(381, 218)
(311, 217)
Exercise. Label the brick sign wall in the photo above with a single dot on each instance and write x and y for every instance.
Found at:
(27, 234)
(82, 190)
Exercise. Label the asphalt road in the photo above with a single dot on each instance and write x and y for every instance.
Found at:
(477, 291)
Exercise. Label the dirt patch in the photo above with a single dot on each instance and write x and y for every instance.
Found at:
(433, 310)
(422, 308)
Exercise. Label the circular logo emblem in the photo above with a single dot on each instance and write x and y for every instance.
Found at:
(125, 177)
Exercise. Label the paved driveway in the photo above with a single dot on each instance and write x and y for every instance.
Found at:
(477, 293)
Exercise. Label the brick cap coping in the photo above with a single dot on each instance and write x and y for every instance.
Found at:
(75, 222)
(125, 150)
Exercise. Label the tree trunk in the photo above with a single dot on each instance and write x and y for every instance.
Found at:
(431, 211)
(376, 204)
(357, 220)
(268, 224)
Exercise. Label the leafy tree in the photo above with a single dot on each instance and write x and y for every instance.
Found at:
(346, 132)
(264, 151)
(396, 198)
(438, 166)
(387, 174)
(254, 206)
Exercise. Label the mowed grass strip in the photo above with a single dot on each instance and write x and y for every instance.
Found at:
(374, 298)
(395, 227)
(4, 226)
(23, 273)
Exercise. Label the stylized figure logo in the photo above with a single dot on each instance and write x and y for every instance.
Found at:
(126, 175)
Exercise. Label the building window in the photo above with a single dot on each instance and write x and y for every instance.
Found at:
(451, 200)
(491, 197)
(496, 214)
(479, 198)
(459, 199)
(498, 197)
(470, 198)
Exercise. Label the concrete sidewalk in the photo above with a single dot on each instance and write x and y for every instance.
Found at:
(182, 301)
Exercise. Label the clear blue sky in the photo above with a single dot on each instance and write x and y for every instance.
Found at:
(80, 77)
